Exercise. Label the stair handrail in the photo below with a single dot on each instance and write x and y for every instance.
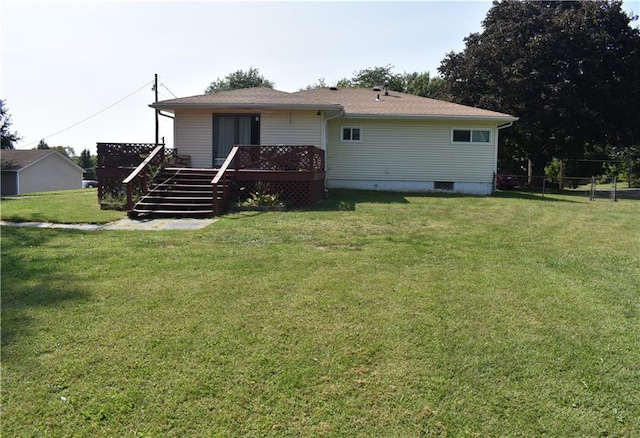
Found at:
(217, 206)
(144, 168)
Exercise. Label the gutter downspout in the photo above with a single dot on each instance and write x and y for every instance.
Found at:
(506, 125)
(325, 129)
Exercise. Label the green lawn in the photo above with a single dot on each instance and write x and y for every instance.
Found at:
(68, 206)
(375, 314)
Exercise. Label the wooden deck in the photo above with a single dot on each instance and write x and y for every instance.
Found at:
(295, 173)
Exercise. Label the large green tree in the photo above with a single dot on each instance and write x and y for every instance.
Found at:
(568, 69)
(7, 137)
(239, 80)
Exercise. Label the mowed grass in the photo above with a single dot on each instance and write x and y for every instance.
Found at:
(375, 314)
(67, 206)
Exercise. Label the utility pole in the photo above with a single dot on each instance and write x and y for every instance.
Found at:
(155, 88)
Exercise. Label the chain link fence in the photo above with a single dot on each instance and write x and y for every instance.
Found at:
(596, 179)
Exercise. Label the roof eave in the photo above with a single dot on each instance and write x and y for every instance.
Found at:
(505, 118)
(250, 106)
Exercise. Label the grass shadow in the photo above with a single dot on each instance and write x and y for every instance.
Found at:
(29, 283)
(534, 196)
(347, 200)
(33, 217)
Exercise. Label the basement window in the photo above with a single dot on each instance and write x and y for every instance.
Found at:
(351, 134)
(443, 185)
(471, 136)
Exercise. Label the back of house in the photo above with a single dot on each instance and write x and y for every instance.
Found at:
(373, 139)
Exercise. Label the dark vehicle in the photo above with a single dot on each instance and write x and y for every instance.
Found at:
(89, 183)
(506, 181)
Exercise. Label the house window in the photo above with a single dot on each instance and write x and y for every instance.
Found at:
(351, 133)
(471, 136)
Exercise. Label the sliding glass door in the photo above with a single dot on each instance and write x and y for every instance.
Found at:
(232, 129)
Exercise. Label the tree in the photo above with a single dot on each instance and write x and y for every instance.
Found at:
(420, 84)
(7, 138)
(378, 76)
(568, 69)
(85, 160)
(344, 83)
(42, 145)
(67, 151)
(322, 83)
(239, 80)
(88, 163)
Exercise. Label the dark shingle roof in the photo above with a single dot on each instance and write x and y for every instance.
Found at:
(246, 98)
(16, 159)
(367, 102)
(356, 102)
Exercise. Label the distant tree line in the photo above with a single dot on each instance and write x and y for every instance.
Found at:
(421, 84)
(418, 83)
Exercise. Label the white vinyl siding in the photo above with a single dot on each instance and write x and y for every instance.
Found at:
(52, 172)
(291, 127)
(193, 131)
(193, 136)
(405, 150)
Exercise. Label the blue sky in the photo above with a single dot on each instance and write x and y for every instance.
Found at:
(65, 61)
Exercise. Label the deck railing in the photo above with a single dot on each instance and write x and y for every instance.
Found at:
(296, 173)
(221, 176)
(298, 158)
(116, 161)
(141, 174)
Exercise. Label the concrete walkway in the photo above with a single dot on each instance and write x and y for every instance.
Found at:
(123, 224)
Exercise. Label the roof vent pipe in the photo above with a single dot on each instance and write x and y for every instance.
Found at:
(386, 88)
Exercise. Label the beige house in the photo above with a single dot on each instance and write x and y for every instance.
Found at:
(40, 170)
(373, 139)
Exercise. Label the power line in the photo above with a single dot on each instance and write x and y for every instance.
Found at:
(166, 96)
(163, 85)
(92, 116)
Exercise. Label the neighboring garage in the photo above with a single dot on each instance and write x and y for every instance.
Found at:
(40, 170)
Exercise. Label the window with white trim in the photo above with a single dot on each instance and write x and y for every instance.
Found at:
(351, 134)
(471, 136)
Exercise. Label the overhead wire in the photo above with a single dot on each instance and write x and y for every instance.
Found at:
(161, 94)
(163, 85)
(93, 115)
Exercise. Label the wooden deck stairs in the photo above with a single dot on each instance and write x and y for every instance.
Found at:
(179, 192)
